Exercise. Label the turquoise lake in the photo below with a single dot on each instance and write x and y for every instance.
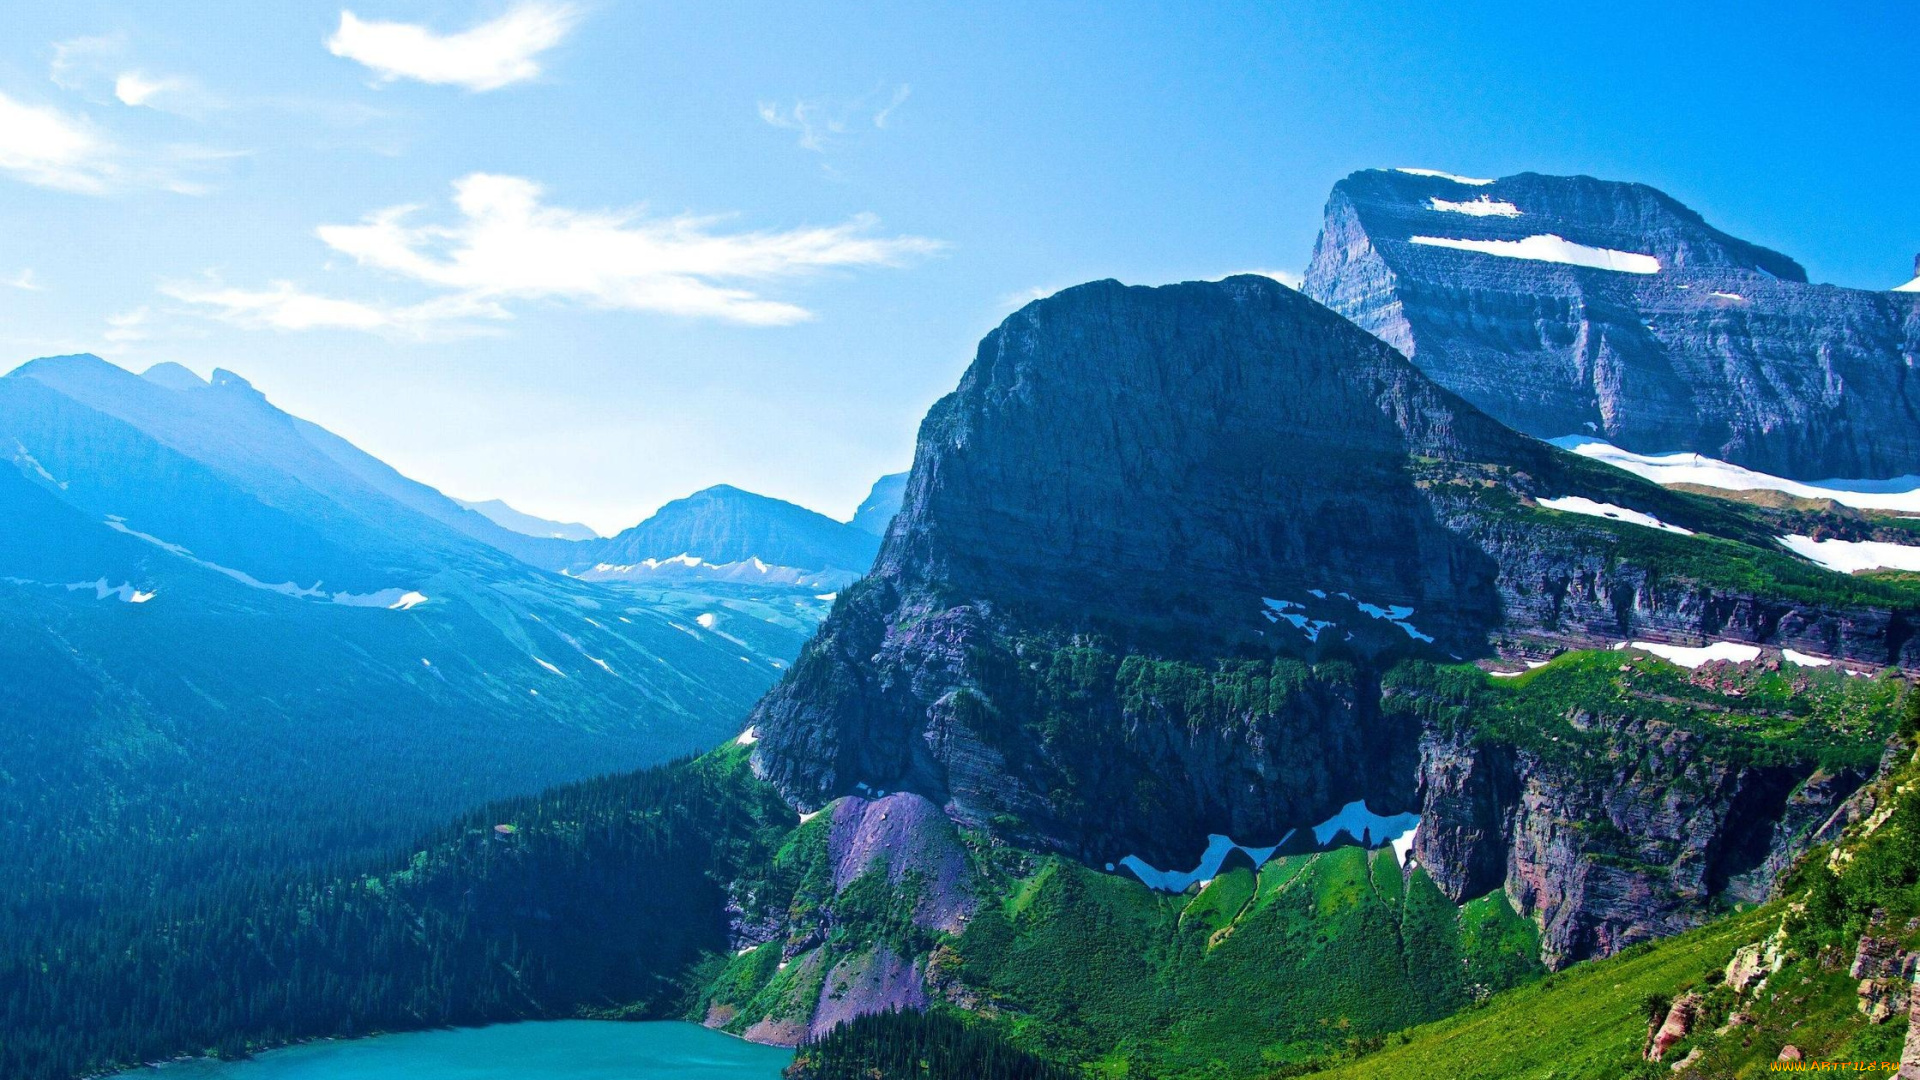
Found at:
(546, 1050)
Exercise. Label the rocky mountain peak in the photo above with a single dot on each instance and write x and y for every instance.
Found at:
(1567, 305)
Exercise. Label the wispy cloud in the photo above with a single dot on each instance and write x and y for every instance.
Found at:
(137, 88)
(26, 280)
(285, 306)
(1285, 277)
(899, 98)
(823, 121)
(127, 327)
(507, 244)
(102, 70)
(49, 148)
(493, 54)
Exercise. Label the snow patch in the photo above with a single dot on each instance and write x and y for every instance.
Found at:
(1371, 829)
(124, 593)
(1574, 504)
(1403, 844)
(1547, 247)
(1218, 848)
(1476, 182)
(1692, 657)
(392, 599)
(1279, 610)
(1729, 296)
(748, 737)
(549, 667)
(1793, 656)
(1395, 614)
(1901, 493)
(1484, 206)
(1853, 556)
(1911, 286)
(706, 619)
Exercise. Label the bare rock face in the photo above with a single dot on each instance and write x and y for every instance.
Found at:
(904, 836)
(1158, 550)
(1608, 857)
(1726, 350)
(1677, 1025)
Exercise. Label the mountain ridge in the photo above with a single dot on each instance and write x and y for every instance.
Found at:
(1512, 293)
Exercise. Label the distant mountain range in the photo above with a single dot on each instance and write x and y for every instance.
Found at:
(1234, 681)
(507, 517)
(204, 600)
(726, 534)
(877, 511)
(1570, 306)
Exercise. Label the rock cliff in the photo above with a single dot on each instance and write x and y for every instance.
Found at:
(1159, 548)
(1576, 306)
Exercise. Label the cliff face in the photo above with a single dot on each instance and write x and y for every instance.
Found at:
(1724, 348)
(1159, 547)
(1603, 858)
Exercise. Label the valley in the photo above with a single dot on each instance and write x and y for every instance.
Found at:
(1236, 686)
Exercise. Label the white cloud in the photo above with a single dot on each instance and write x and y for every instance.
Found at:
(488, 56)
(284, 306)
(79, 63)
(135, 88)
(1285, 277)
(822, 121)
(25, 279)
(507, 244)
(46, 147)
(899, 98)
(102, 70)
(128, 326)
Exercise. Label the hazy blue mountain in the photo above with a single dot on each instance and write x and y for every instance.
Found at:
(881, 504)
(1566, 305)
(498, 512)
(725, 534)
(233, 634)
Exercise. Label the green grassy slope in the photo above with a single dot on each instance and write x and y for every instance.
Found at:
(1592, 1021)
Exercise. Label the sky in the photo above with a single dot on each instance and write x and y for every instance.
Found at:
(591, 256)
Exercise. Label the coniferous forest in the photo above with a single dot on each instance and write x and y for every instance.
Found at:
(917, 1046)
(590, 902)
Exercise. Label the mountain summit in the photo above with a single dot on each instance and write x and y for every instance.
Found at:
(1566, 305)
(724, 533)
(1161, 547)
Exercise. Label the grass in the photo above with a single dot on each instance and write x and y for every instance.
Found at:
(1586, 1023)
(1573, 710)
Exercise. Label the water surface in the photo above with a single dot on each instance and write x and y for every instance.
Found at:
(545, 1050)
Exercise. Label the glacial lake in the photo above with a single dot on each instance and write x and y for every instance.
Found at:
(541, 1050)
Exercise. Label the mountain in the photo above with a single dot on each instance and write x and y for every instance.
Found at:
(876, 512)
(507, 517)
(1823, 972)
(725, 534)
(1570, 306)
(1177, 731)
(1196, 617)
(233, 644)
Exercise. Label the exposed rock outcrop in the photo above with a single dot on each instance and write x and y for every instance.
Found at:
(1159, 547)
(1725, 350)
(1677, 1025)
(1610, 855)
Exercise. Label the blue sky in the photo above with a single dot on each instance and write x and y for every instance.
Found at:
(588, 257)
